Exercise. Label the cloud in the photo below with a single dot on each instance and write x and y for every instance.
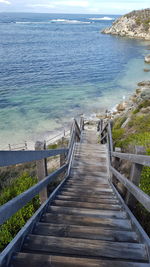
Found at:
(5, 2)
(42, 5)
(55, 4)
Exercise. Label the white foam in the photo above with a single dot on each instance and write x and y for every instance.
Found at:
(69, 21)
(31, 22)
(104, 18)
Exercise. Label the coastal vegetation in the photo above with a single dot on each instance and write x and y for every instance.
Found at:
(14, 180)
(17, 186)
(132, 128)
(135, 24)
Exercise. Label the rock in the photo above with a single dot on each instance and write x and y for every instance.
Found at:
(145, 110)
(121, 107)
(146, 70)
(147, 59)
(145, 94)
(144, 83)
(132, 25)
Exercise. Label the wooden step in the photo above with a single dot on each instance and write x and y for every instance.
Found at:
(77, 172)
(86, 185)
(92, 248)
(39, 260)
(88, 212)
(75, 204)
(86, 232)
(82, 163)
(89, 168)
(89, 160)
(88, 199)
(88, 191)
(111, 223)
(89, 178)
(93, 195)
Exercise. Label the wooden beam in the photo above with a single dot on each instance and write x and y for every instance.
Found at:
(143, 198)
(139, 159)
(41, 167)
(12, 206)
(135, 176)
(8, 158)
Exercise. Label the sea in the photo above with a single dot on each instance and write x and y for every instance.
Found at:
(54, 67)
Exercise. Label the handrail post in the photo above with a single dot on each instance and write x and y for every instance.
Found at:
(135, 176)
(116, 163)
(41, 170)
(81, 123)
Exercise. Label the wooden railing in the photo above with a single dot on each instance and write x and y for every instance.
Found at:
(137, 160)
(8, 158)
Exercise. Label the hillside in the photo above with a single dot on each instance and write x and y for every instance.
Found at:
(135, 24)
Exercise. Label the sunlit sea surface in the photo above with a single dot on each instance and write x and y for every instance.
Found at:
(54, 67)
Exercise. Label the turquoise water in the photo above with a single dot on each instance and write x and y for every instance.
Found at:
(54, 67)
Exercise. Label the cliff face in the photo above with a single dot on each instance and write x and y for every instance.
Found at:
(135, 24)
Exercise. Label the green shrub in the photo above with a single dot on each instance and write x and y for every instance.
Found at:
(118, 122)
(117, 135)
(10, 228)
(144, 104)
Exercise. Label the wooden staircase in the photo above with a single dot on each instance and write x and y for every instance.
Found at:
(86, 224)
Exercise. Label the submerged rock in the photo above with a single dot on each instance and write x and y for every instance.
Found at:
(135, 24)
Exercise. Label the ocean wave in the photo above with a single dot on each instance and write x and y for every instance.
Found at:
(104, 18)
(69, 21)
(31, 22)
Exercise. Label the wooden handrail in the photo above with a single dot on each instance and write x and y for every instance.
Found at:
(8, 158)
(106, 125)
(139, 159)
(143, 198)
(12, 206)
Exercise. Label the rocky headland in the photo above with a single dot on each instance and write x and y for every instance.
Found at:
(135, 24)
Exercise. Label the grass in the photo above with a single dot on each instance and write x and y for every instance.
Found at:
(11, 227)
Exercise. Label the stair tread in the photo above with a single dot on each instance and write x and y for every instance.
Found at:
(89, 212)
(93, 248)
(85, 232)
(88, 199)
(77, 204)
(38, 260)
(86, 220)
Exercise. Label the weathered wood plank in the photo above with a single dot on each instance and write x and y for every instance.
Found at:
(91, 190)
(88, 212)
(38, 260)
(143, 198)
(8, 158)
(84, 193)
(75, 204)
(93, 248)
(86, 232)
(86, 220)
(139, 159)
(89, 199)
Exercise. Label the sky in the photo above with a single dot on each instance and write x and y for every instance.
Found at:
(73, 6)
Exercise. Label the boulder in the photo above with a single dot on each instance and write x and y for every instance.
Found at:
(144, 83)
(147, 59)
(146, 70)
(145, 94)
(121, 107)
